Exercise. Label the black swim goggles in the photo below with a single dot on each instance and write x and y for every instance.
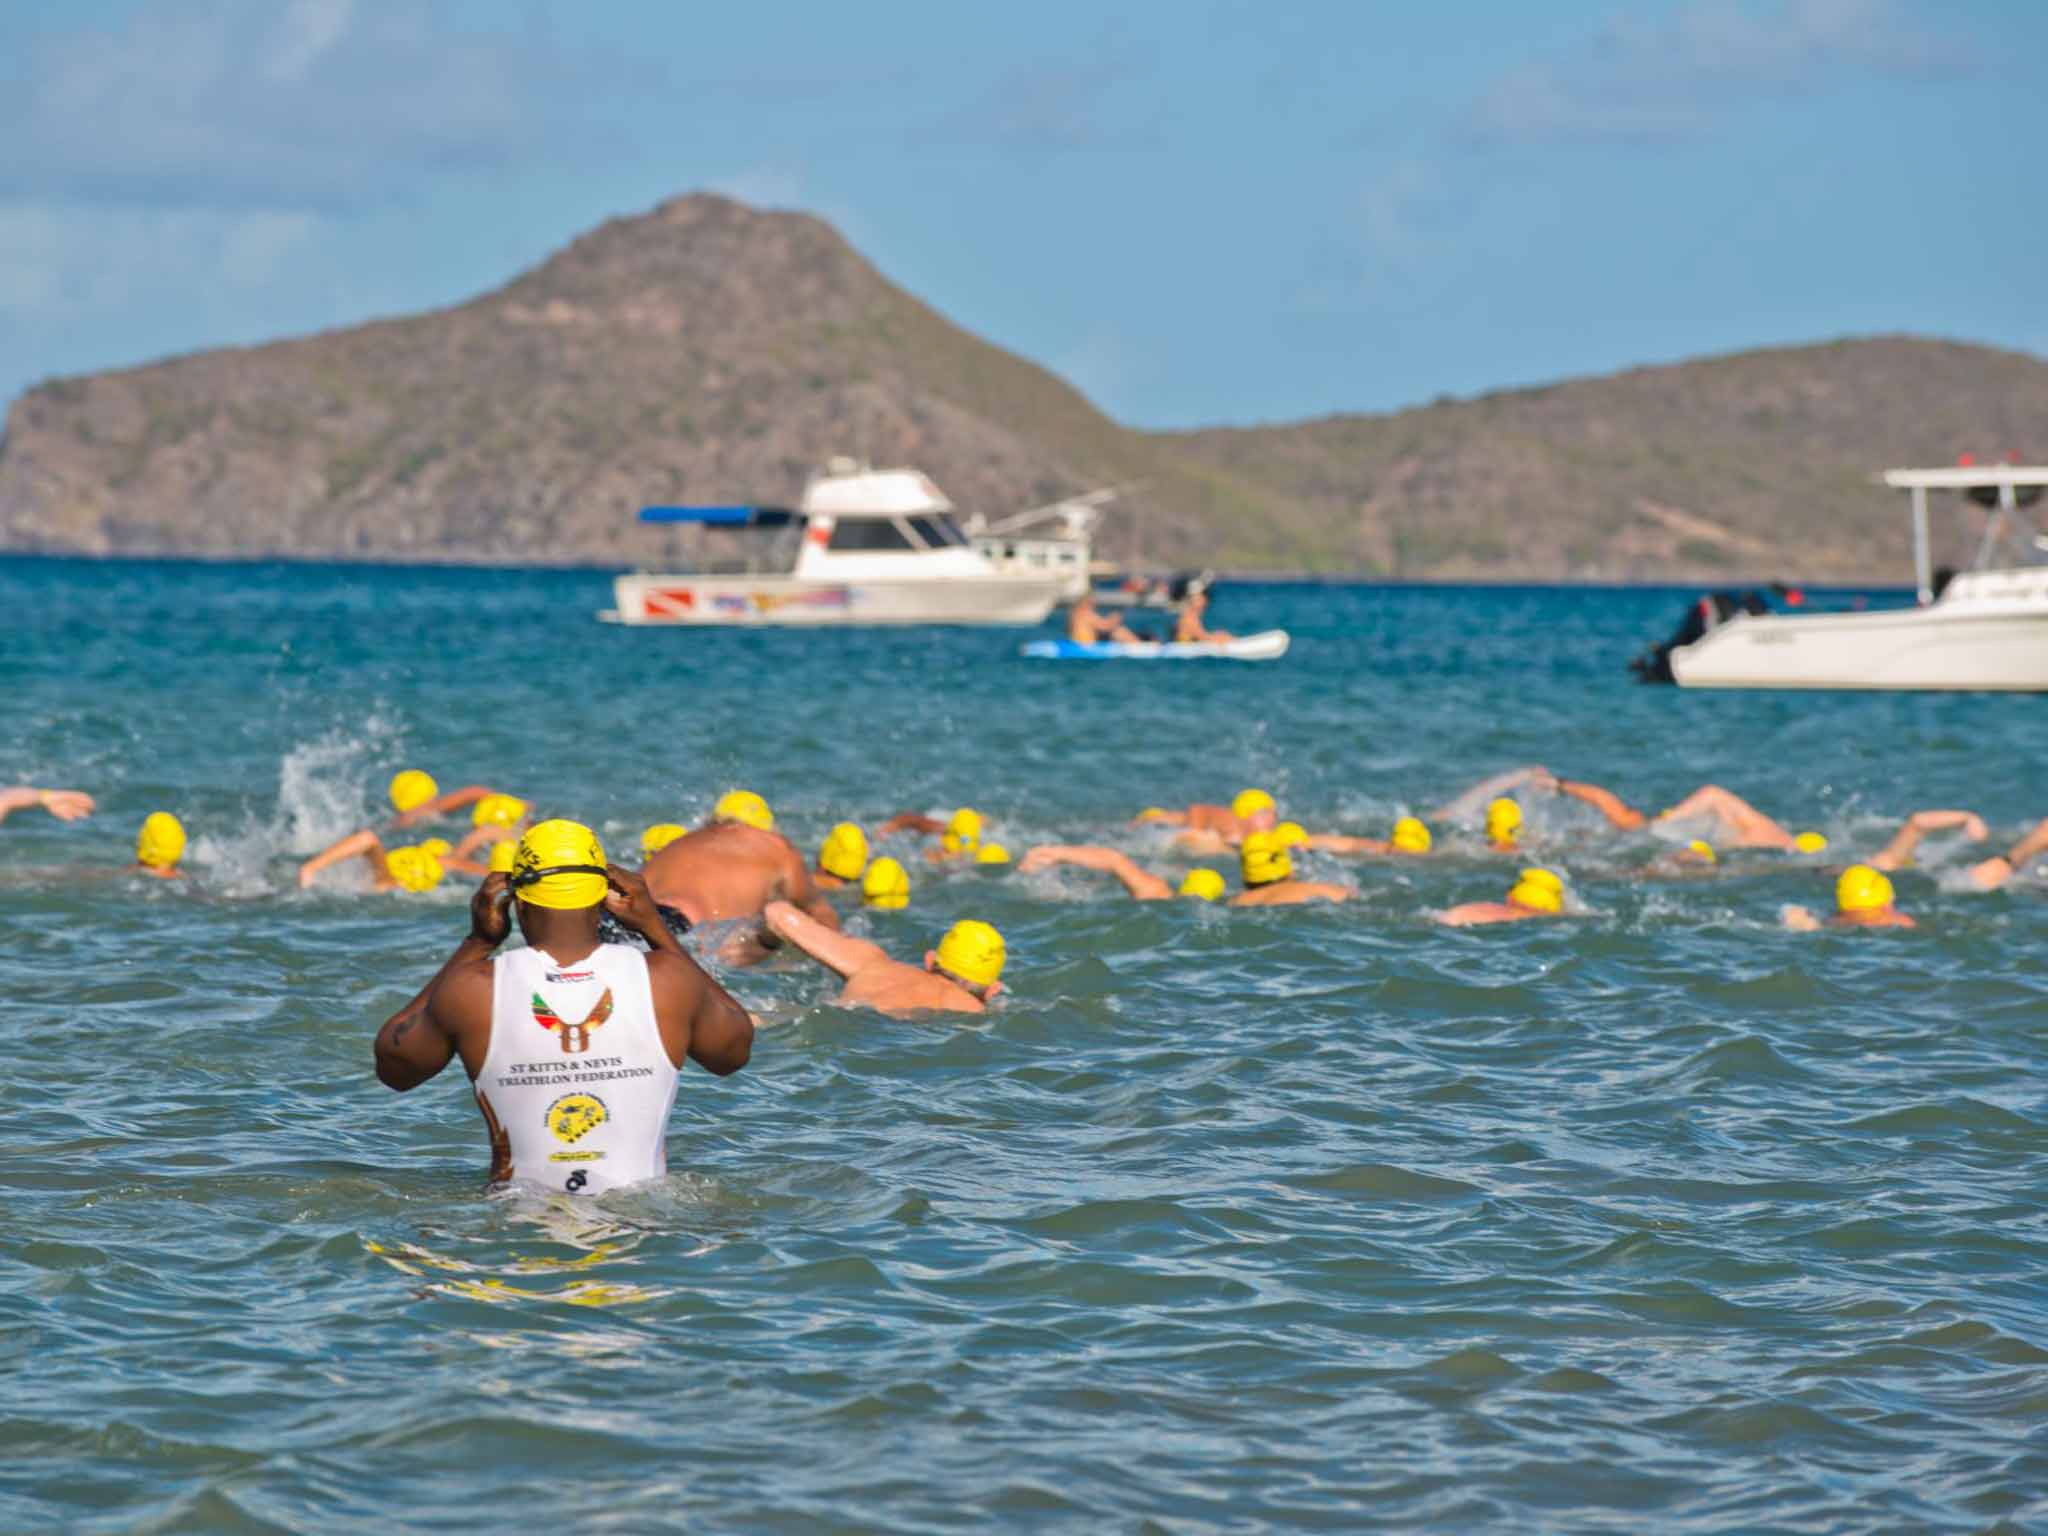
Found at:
(528, 877)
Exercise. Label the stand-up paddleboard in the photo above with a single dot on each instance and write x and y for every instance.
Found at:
(1267, 645)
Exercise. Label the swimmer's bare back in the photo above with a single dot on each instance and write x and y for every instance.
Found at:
(727, 871)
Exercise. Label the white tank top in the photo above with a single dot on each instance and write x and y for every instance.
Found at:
(577, 1086)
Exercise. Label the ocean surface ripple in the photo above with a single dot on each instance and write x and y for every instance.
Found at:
(1658, 1217)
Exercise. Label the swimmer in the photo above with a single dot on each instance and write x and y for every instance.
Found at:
(960, 976)
(1740, 824)
(1269, 877)
(64, 804)
(886, 885)
(842, 857)
(1143, 885)
(1504, 825)
(1188, 627)
(1085, 626)
(1411, 839)
(959, 838)
(658, 837)
(1863, 899)
(415, 797)
(498, 818)
(1999, 868)
(1215, 827)
(159, 846)
(564, 1008)
(1538, 893)
(731, 868)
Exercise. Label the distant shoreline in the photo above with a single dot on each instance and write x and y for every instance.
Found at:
(1248, 578)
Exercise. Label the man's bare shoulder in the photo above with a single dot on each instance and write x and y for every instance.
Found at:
(1289, 893)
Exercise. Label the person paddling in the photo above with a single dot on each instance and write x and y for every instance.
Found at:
(573, 1047)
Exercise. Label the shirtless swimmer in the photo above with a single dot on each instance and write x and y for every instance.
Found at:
(960, 976)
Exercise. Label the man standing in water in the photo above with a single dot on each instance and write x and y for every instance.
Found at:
(572, 1046)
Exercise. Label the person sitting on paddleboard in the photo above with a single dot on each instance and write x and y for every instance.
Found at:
(1087, 627)
(1188, 628)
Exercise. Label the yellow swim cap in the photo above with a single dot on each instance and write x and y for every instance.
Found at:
(1264, 859)
(659, 836)
(1503, 820)
(886, 884)
(746, 808)
(412, 789)
(844, 852)
(499, 811)
(1154, 813)
(1205, 883)
(992, 853)
(503, 853)
(1411, 836)
(1862, 889)
(1704, 849)
(559, 864)
(1290, 834)
(439, 847)
(1250, 802)
(973, 952)
(1810, 842)
(414, 868)
(161, 843)
(963, 830)
(1539, 890)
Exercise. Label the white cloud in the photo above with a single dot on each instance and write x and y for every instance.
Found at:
(1670, 76)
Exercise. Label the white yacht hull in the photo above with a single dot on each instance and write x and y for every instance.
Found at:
(1989, 631)
(799, 601)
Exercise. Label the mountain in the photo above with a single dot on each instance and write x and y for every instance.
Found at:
(710, 352)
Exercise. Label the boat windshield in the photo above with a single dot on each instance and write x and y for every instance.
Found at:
(939, 531)
(737, 551)
(871, 535)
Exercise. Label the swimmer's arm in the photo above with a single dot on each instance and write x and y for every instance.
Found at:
(477, 837)
(1468, 803)
(64, 804)
(835, 951)
(911, 821)
(1799, 919)
(1142, 884)
(802, 891)
(1332, 842)
(440, 805)
(1995, 871)
(1918, 825)
(362, 842)
(1161, 815)
(1617, 811)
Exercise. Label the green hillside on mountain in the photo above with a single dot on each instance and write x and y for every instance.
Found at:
(706, 351)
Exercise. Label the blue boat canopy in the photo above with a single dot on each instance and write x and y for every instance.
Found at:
(723, 517)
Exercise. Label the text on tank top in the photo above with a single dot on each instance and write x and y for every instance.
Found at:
(576, 1086)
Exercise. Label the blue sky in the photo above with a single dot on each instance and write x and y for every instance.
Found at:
(1204, 211)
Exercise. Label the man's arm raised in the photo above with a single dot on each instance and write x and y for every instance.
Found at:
(839, 952)
(416, 1042)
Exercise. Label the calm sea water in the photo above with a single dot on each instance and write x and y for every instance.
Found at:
(1656, 1219)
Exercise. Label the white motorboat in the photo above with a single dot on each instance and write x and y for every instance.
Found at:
(866, 546)
(1986, 628)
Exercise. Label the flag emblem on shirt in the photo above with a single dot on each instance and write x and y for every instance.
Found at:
(575, 1037)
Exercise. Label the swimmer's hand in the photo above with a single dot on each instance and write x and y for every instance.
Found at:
(633, 905)
(1799, 919)
(490, 910)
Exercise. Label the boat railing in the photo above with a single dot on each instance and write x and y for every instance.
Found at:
(2006, 490)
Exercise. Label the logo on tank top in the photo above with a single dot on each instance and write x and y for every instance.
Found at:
(575, 1037)
(571, 1118)
(570, 976)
